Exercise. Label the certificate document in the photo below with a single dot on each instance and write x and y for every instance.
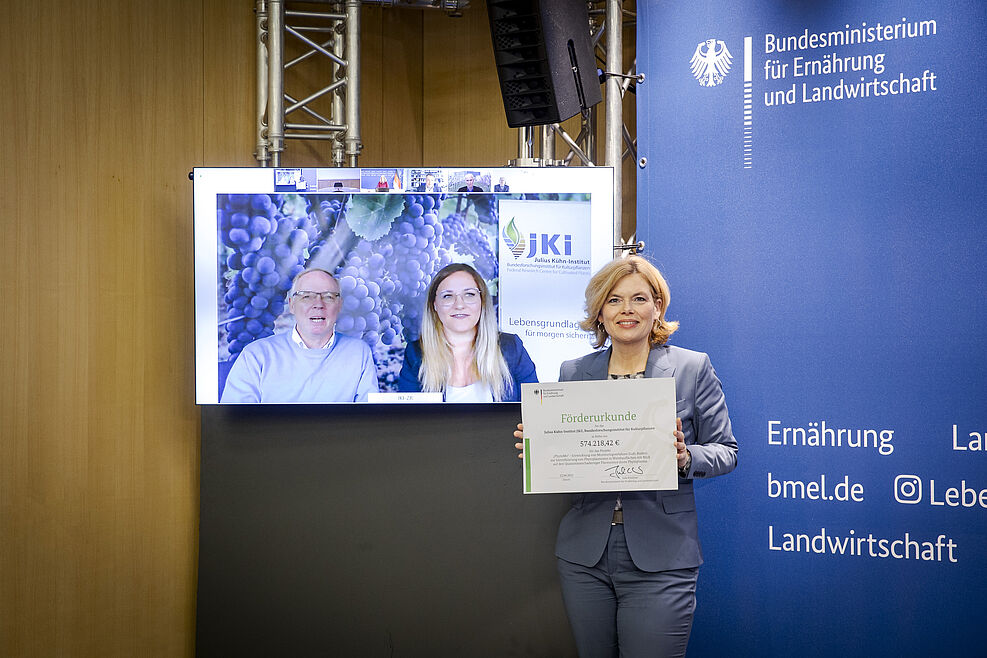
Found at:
(605, 435)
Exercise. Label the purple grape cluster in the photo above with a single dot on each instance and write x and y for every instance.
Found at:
(470, 241)
(476, 243)
(268, 236)
(384, 257)
(364, 285)
(486, 208)
(453, 229)
(413, 253)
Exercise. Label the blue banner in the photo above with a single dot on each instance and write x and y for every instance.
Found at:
(814, 192)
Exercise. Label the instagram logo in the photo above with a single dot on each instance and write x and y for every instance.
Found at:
(908, 489)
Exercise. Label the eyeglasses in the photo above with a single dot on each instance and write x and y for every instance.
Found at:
(470, 297)
(309, 297)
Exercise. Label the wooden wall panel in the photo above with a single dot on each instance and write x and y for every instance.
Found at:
(391, 122)
(464, 122)
(105, 111)
(227, 120)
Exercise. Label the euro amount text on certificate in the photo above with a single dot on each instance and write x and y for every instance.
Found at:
(607, 435)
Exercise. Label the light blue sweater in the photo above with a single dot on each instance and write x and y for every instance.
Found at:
(275, 369)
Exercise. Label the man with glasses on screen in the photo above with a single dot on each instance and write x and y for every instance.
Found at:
(311, 363)
(429, 186)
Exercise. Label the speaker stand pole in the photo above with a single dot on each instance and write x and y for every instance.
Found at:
(588, 133)
(615, 115)
(525, 149)
(548, 146)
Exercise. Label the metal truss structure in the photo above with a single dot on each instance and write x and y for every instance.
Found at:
(330, 35)
(326, 36)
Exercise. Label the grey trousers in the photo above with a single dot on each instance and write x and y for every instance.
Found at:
(617, 610)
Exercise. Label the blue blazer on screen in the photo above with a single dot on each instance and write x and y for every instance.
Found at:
(660, 526)
(521, 366)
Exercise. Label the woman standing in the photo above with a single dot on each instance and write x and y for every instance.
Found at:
(461, 353)
(628, 562)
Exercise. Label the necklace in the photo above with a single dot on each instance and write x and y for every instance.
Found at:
(629, 375)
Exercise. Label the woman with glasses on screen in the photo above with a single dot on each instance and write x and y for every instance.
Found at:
(628, 562)
(461, 353)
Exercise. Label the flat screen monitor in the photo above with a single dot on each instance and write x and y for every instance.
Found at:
(380, 235)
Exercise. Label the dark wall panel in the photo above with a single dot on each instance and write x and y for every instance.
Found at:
(829, 255)
(395, 531)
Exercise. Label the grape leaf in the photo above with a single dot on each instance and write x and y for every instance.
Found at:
(370, 215)
(471, 216)
(294, 205)
(446, 206)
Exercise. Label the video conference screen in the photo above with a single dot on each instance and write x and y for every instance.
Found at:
(392, 284)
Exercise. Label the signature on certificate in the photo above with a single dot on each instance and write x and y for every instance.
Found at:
(619, 471)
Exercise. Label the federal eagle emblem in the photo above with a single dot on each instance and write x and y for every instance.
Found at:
(710, 62)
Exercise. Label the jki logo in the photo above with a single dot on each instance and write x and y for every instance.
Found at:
(539, 244)
(549, 244)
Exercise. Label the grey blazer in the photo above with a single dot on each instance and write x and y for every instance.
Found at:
(660, 526)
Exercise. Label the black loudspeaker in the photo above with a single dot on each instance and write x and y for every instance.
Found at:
(545, 59)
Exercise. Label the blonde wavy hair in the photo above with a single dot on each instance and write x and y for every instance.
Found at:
(489, 366)
(603, 282)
